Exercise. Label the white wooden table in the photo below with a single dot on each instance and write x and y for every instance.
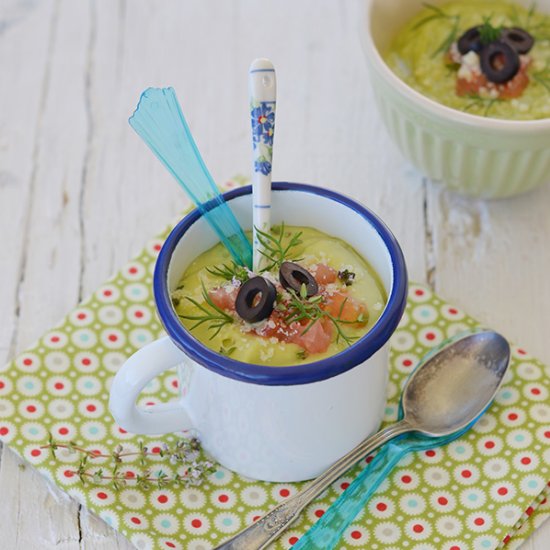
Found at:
(79, 194)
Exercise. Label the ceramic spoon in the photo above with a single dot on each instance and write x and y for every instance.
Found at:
(158, 120)
(263, 96)
(444, 395)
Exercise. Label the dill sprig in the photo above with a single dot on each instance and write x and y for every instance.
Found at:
(485, 103)
(517, 21)
(438, 13)
(229, 272)
(300, 308)
(543, 77)
(215, 316)
(540, 30)
(274, 248)
(487, 32)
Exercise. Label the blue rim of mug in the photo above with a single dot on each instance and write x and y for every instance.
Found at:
(307, 373)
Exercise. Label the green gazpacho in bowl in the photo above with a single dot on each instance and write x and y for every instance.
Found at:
(489, 58)
(313, 297)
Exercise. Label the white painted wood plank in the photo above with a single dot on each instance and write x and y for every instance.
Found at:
(97, 535)
(34, 514)
(327, 133)
(53, 251)
(493, 260)
(24, 34)
(27, 511)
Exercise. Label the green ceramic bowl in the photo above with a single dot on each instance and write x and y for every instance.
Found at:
(472, 155)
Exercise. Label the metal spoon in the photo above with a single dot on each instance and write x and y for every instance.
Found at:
(444, 394)
(327, 531)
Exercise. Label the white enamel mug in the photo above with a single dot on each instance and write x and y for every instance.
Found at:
(270, 423)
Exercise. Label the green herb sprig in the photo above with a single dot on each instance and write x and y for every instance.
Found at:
(346, 276)
(542, 77)
(485, 103)
(539, 30)
(276, 246)
(176, 295)
(489, 33)
(230, 272)
(438, 13)
(184, 453)
(300, 308)
(215, 316)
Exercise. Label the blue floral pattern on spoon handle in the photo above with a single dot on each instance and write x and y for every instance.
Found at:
(263, 96)
(262, 117)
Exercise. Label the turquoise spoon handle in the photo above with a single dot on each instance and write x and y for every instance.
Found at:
(159, 121)
(326, 533)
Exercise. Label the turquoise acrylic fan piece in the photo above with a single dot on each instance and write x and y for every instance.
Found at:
(159, 121)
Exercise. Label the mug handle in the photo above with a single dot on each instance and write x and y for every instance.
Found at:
(144, 365)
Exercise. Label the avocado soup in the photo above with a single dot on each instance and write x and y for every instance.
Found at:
(314, 297)
(488, 58)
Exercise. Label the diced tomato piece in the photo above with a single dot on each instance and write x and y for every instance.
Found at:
(509, 90)
(471, 86)
(224, 296)
(276, 327)
(341, 305)
(324, 274)
(316, 340)
(515, 87)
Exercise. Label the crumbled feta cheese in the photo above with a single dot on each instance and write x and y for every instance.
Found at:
(265, 356)
(270, 277)
(331, 288)
(469, 66)
(454, 54)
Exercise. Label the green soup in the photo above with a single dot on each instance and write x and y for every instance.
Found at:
(240, 340)
(418, 56)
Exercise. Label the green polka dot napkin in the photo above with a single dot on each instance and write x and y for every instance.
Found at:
(483, 491)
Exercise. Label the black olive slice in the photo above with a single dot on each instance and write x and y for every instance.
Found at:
(499, 62)
(518, 38)
(256, 299)
(293, 276)
(470, 41)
